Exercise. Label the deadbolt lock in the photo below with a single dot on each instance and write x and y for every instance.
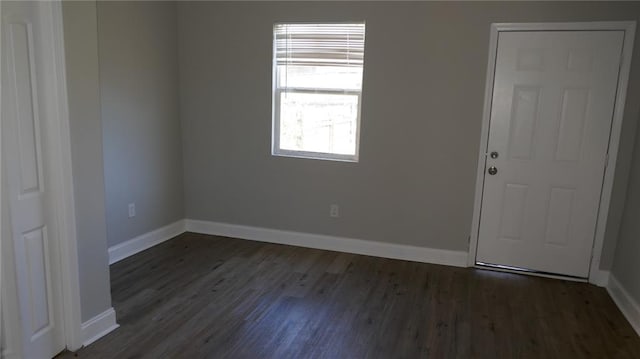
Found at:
(492, 170)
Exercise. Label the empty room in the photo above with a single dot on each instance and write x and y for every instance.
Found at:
(320, 179)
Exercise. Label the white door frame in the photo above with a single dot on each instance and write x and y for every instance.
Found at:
(1, 194)
(62, 185)
(629, 28)
(70, 273)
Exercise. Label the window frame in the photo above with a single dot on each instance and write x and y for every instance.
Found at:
(277, 92)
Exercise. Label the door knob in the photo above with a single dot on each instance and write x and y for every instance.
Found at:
(492, 170)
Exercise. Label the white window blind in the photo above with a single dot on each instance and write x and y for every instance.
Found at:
(319, 44)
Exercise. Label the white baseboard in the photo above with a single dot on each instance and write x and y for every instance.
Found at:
(145, 241)
(318, 241)
(600, 278)
(339, 244)
(99, 326)
(628, 306)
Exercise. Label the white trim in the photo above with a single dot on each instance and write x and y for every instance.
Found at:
(4, 352)
(145, 241)
(99, 326)
(600, 278)
(628, 27)
(309, 240)
(331, 243)
(565, 26)
(65, 196)
(484, 140)
(625, 302)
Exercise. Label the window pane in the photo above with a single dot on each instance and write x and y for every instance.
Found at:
(322, 77)
(318, 122)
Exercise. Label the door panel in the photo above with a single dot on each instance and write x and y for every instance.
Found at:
(20, 39)
(35, 242)
(575, 103)
(26, 111)
(552, 107)
(525, 114)
(513, 211)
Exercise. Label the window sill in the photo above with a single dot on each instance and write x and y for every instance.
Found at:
(316, 156)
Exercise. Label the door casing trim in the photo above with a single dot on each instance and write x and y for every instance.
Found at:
(69, 271)
(629, 28)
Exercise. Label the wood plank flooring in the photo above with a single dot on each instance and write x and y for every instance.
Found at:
(199, 296)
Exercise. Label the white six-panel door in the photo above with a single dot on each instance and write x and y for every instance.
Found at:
(551, 112)
(27, 108)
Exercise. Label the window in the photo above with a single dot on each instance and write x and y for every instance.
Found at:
(317, 90)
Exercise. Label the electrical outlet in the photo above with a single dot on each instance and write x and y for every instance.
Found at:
(334, 211)
(132, 210)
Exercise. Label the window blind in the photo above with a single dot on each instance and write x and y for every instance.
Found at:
(319, 44)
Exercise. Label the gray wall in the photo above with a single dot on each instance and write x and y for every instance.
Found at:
(421, 117)
(626, 267)
(141, 128)
(81, 51)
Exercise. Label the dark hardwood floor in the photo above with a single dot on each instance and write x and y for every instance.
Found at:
(199, 296)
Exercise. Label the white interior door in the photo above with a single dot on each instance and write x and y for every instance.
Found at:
(551, 112)
(27, 108)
